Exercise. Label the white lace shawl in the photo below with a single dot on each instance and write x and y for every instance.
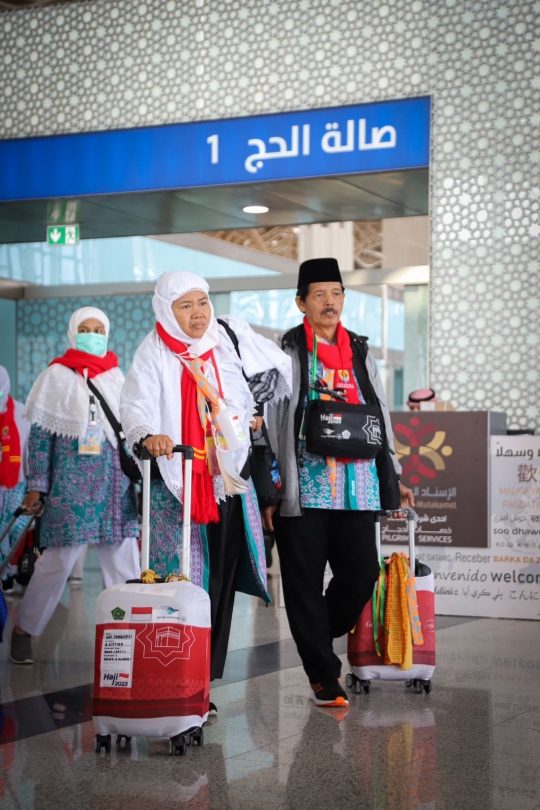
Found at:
(59, 401)
(151, 403)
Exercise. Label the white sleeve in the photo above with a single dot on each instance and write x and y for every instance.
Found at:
(141, 394)
(260, 354)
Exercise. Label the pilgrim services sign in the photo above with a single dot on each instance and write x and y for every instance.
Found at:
(445, 460)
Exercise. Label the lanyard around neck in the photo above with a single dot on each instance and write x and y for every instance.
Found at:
(313, 365)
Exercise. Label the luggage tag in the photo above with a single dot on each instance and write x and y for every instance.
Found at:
(90, 444)
(212, 439)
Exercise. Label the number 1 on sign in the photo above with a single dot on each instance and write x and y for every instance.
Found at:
(213, 140)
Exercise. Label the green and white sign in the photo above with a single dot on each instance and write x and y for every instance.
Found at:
(63, 235)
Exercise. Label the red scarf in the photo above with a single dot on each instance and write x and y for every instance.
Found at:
(73, 358)
(338, 357)
(204, 508)
(10, 464)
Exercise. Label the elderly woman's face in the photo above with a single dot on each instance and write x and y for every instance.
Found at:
(192, 313)
(91, 325)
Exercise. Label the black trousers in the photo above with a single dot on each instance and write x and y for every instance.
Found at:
(345, 539)
(226, 541)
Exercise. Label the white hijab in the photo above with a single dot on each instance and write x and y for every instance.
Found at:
(151, 399)
(59, 399)
(171, 287)
(80, 316)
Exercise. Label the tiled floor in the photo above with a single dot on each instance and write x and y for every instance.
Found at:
(474, 742)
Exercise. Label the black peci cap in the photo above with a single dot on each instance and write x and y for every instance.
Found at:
(314, 270)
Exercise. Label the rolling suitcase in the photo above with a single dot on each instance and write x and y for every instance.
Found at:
(152, 655)
(17, 544)
(365, 662)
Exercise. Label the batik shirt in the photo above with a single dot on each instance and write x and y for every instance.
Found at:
(357, 483)
(88, 500)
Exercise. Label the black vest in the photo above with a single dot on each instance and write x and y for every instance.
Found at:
(388, 480)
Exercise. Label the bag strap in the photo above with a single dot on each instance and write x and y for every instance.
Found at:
(113, 421)
(234, 340)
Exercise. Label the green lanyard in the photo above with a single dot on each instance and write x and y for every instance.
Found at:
(311, 393)
(313, 366)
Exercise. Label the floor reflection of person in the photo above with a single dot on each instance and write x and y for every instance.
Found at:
(74, 469)
(183, 375)
(337, 784)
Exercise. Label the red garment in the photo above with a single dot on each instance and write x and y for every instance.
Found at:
(77, 360)
(204, 508)
(10, 464)
(338, 357)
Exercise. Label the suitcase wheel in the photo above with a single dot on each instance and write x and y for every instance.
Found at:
(419, 686)
(196, 736)
(358, 685)
(103, 741)
(178, 745)
(122, 741)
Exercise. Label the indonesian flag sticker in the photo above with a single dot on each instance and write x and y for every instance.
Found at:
(141, 614)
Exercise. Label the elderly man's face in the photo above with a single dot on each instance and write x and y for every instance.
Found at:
(192, 312)
(323, 305)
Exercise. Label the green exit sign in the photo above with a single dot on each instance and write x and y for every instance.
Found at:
(63, 235)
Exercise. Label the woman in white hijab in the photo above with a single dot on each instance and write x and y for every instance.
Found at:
(188, 385)
(14, 430)
(74, 470)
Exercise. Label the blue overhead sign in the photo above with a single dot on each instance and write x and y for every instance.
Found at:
(340, 140)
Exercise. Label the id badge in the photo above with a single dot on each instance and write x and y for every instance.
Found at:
(90, 445)
(213, 465)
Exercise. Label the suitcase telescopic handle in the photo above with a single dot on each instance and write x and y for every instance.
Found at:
(411, 518)
(146, 457)
(186, 449)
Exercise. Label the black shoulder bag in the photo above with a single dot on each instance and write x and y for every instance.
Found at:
(265, 472)
(347, 430)
(127, 462)
(341, 429)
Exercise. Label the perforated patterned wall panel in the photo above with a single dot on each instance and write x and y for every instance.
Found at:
(98, 65)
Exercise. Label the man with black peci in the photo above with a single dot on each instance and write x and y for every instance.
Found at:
(338, 466)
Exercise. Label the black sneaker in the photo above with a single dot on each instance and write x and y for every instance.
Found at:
(21, 648)
(212, 711)
(328, 693)
(8, 584)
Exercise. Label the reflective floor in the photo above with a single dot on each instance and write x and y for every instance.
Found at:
(474, 742)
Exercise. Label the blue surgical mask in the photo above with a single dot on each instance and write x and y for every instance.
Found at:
(91, 343)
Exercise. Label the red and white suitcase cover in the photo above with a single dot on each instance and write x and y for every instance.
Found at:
(362, 654)
(152, 659)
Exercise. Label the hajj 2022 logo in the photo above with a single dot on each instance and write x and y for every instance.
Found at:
(420, 449)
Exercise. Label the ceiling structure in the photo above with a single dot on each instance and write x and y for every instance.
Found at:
(291, 202)
(16, 5)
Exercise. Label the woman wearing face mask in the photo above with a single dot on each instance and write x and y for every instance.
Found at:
(185, 370)
(74, 469)
(14, 430)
